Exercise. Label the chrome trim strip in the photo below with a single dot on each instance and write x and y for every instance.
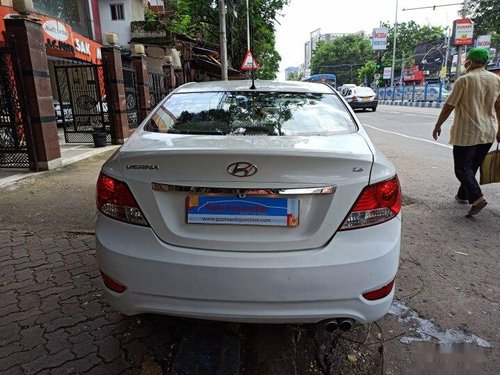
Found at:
(243, 191)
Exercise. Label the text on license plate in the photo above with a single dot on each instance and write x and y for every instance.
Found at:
(249, 210)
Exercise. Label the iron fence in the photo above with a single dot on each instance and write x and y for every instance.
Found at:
(16, 145)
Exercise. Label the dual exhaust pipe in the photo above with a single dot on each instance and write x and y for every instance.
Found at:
(344, 324)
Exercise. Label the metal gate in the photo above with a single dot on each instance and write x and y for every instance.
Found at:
(157, 88)
(131, 96)
(83, 101)
(16, 145)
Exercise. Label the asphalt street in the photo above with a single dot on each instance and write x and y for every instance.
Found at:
(444, 319)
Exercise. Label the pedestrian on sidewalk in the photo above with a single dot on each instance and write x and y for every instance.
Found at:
(475, 98)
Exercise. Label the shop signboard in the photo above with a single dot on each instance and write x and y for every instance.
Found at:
(483, 41)
(62, 41)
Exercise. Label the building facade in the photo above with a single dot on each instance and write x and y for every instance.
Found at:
(116, 16)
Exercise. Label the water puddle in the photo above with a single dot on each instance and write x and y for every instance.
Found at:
(426, 330)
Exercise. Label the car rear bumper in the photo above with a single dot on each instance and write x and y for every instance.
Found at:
(275, 287)
(355, 105)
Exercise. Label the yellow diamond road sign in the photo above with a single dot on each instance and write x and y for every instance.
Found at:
(249, 62)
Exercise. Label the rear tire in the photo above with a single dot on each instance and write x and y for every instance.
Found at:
(374, 109)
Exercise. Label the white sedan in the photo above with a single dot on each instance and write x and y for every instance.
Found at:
(250, 205)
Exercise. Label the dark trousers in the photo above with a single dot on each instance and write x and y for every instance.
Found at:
(467, 160)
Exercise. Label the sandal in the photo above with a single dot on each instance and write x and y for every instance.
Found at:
(475, 209)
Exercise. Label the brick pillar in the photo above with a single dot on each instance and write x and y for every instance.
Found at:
(30, 48)
(168, 71)
(139, 64)
(116, 95)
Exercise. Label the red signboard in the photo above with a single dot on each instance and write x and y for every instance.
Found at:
(60, 39)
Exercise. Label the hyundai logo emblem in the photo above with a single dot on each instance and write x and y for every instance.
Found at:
(242, 169)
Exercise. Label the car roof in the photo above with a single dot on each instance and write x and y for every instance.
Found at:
(260, 86)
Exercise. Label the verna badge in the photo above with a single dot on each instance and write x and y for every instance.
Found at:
(242, 169)
(143, 166)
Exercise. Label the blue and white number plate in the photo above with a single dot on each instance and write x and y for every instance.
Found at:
(249, 210)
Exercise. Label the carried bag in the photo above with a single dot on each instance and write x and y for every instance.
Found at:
(490, 168)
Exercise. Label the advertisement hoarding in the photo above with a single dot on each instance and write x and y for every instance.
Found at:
(379, 38)
(463, 32)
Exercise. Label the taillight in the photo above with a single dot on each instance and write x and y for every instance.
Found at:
(379, 293)
(115, 200)
(376, 204)
(112, 284)
(354, 99)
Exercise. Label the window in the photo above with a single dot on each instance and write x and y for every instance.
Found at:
(252, 113)
(117, 12)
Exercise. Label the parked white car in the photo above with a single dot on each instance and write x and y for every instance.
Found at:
(250, 205)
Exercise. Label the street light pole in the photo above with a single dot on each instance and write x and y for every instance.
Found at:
(394, 45)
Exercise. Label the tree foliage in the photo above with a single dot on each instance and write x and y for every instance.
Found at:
(342, 56)
(486, 16)
(351, 57)
(200, 20)
(409, 35)
(295, 76)
(367, 71)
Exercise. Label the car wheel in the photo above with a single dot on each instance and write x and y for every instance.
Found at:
(374, 109)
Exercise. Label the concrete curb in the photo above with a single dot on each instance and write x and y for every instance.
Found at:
(406, 103)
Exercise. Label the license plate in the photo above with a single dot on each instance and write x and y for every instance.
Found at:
(248, 210)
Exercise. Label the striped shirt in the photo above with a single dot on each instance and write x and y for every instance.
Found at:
(473, 96)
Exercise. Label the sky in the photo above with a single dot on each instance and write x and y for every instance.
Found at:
(301, 17)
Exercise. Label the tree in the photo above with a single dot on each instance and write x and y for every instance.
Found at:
(295, 76)
(486, 16)
(342, 56)
(367, 71)
(199, 19)
(409, 36)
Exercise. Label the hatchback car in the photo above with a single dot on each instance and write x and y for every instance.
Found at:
(361, 97)
(250, 205)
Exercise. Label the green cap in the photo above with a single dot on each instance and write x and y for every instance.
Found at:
(480, 55)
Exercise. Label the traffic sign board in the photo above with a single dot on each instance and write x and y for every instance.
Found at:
(249, 62)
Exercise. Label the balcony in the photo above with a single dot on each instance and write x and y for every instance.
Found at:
(151, 32)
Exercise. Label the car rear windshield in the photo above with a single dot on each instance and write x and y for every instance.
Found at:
(364, 91)
(252, 113)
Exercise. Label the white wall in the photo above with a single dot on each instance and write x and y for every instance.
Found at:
(133, 12)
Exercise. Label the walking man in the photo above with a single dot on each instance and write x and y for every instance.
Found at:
(476, 99)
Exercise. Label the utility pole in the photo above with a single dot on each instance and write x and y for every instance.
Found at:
(394, 45)
(448, 39)
(463, 13)
(223, 40)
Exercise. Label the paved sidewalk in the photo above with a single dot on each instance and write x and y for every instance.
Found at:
(70, 153)
(53, 317)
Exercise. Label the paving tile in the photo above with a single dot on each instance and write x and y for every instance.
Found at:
(19, 358)
(48, 362)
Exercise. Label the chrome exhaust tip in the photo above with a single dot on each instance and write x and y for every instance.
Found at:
(345, 324)
(330, 325)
